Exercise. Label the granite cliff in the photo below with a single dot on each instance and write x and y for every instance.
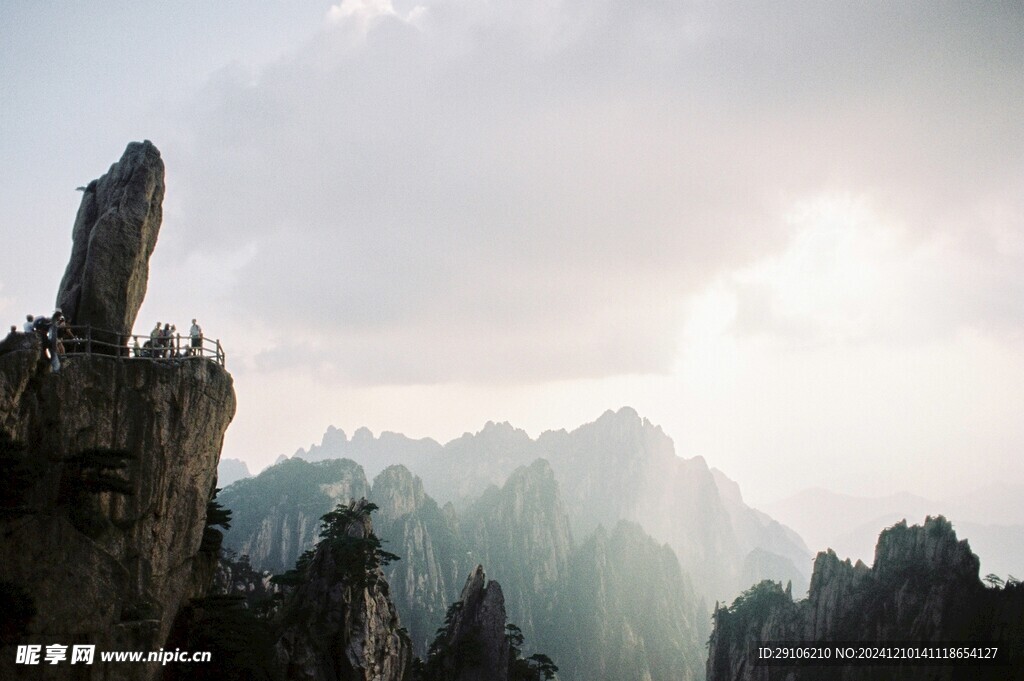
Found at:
(475, 622)
(109, 464)
(922, 587)
(339, 623)
(273, 529)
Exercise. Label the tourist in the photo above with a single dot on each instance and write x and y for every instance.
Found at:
(53, 341)
(28, 323)
(165, 341)
(196, 333)
(154, 341)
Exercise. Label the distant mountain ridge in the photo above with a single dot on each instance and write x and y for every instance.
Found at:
(620, 467)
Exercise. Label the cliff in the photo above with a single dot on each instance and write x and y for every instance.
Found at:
(277, 513)
(522, 530)
(108, 465)
(624, 610)
(923, 587)
(618, 606)
(472, 645)
(339, 623)
(434, 556)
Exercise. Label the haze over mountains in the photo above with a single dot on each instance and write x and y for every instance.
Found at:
(609, 548)
(619, 467)
(991, 518)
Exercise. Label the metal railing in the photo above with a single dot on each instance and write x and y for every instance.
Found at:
(87, 340)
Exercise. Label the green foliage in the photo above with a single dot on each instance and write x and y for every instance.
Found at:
(357, 558)
(216, 516)
(244, 579)
(543, 665)
(759, 600)
(297, 574)
(993, 581)
(16, 610)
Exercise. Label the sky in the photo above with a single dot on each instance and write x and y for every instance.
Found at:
(791, 234)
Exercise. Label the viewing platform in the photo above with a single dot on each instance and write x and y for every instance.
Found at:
(88, 340)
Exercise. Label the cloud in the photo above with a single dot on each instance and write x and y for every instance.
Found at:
(527, 193)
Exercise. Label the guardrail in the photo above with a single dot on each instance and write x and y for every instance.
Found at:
(87, 340)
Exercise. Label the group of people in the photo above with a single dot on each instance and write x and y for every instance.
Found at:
(52, 331)
(164, 342)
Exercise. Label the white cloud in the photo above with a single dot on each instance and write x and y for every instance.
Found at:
(363, 14)
(531, 193)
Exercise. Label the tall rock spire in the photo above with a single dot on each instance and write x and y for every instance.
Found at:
(115, 233)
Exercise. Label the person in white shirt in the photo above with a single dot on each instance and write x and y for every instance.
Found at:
(197, 339)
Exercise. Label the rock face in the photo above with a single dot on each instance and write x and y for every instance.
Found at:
(477, 623)
(109, 465)
(106, 567)
(522, 531)
(115, 233)
(277, 513)
(434, 556)
(342, 626)
(923, 587)
(624, 610)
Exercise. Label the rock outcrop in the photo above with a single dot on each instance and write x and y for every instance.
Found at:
(435, 559)
(115, 233)
(923, 588)
(340, 624)
(522, 530)
(476, 623)
(108, 465)
(277, 513)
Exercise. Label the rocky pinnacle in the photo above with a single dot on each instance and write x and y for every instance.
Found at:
(115, 233)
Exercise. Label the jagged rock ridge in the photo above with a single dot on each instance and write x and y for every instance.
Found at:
(477, 622)
(340, 623)
(621, 467)
(923, 587)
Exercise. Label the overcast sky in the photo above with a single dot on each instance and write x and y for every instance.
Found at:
(791, 234)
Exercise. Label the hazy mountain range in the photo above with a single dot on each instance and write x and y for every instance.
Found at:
(609, 548)
(620, 467)
(990, 518)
